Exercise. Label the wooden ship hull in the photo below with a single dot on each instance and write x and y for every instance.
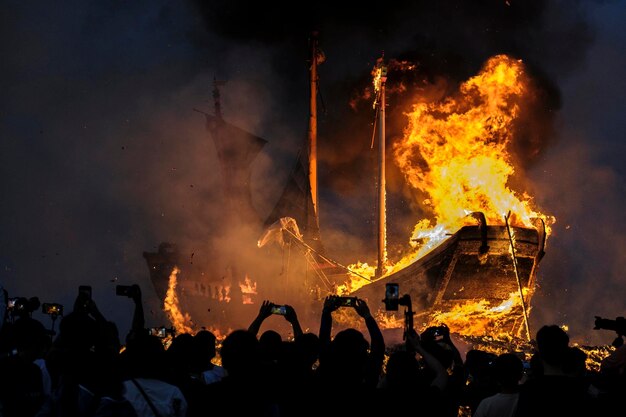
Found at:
(474, 264)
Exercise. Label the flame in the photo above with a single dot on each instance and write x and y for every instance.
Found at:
(223, 293)
(379, 76)
(595, 355)
(479, 317)
(248, 289)
(180, 321)
(356, 281)
(388, 320)
(456, 152)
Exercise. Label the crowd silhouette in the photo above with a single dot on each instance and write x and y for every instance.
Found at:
(86, 370)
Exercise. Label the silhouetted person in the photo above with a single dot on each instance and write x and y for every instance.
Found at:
(83, 366)
(508, 370)
(555, 392)
(21, 384)
(347, 363)
(265, 311)
(481, 379)
(147, 390)
(296, 375)
(410, 385)
(437, 341)
(245, 390)
(204, 352)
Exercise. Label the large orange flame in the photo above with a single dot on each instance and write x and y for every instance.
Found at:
(181, 321)
(457, 152)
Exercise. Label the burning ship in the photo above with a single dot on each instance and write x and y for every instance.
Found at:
(473, 266)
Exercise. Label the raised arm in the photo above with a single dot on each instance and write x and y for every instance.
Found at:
(264, 312)
(292, 318)
(376, 336)
(441, 376)
(326, 323)
(139, 321)
(457, 359)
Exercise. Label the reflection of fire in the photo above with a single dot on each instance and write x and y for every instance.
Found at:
(248, 289)
(180, 321)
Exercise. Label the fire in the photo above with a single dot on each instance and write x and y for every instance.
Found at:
(180, 321)
(223, 293)
(456, 152)
(479, 317)
(248, 289)
(595, 355)
(388, 320)
(356, 281)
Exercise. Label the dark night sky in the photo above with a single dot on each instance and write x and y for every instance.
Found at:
(102, 157)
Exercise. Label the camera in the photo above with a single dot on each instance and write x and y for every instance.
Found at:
(438, 332)
(11, 303)
(282, 310)
(22, 305)
(52, 309)
(346, 301)
(125, 290)
(161, 332)
(434, 333)
(618, 325)
(392, 296)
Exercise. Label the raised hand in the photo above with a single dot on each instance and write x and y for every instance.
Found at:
(290, 314)
(266, 309)
(292, 318)
(445, 333)
(330, 304)
(264, 312)
(136, 293)
(362, 309)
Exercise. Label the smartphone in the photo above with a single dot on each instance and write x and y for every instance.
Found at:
(11, 303)
(346, 301)
(282, 310)
(52, 309)
(157, 331)
(161, 332)
(85, 289)
(392, 295)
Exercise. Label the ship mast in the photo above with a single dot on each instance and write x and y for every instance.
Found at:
(312, 132)
(379, 85)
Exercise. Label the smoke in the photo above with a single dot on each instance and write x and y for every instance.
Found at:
(102, 157)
